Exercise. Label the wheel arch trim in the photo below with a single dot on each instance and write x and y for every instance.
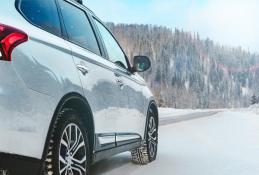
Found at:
(61, 105)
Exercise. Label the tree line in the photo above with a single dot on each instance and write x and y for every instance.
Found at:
(189, 72)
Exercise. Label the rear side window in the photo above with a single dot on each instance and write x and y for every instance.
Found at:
(42, 13)
(78, 27)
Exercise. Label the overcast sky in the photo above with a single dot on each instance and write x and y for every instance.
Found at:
(228, 22)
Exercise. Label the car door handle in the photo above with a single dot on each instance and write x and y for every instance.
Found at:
(120, 83)
(117, 75)
(82, 69)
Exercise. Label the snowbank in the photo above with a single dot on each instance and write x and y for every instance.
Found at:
(171, 112)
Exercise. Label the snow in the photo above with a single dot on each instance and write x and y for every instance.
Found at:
(245, 91)
(223, 144)
(187, 85)
(253, 108)
(172, 112)
(169, 112)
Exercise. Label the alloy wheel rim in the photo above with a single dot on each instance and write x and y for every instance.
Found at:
(72, 152)
(152, 137)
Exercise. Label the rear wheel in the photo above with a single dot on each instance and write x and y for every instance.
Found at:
(69, 150)
(148, 151)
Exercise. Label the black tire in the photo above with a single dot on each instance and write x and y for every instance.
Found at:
(69, 146)
(148, 151)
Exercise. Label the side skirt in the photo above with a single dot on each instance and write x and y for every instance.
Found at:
(121, 147)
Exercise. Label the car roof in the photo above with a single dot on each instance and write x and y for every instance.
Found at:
(83, 6)
(75, 2)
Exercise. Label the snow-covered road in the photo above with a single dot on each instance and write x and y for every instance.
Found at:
(226, 143)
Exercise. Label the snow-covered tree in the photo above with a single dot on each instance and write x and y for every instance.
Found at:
(254, 100)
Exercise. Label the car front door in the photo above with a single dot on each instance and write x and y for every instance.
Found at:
(130, 121)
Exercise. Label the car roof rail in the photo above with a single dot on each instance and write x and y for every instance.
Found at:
(79, 1)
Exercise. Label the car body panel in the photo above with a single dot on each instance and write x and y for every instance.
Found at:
(44, 70)
(32, 86)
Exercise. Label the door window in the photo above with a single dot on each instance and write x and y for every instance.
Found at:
(78, 27)
(114, 51)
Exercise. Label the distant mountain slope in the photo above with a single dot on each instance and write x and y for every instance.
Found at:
(188, 72)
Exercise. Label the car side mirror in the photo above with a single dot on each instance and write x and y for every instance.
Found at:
(141, 64)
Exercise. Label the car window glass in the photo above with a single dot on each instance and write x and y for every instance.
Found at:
(78, 27)
(114, 51)
(43, 14)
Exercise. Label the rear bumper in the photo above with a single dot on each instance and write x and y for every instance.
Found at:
(19, 165)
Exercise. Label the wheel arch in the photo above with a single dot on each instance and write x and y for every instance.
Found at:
(81, 105)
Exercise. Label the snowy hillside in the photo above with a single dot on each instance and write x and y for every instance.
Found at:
(189, 72)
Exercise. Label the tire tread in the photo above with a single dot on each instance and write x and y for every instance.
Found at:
(140, 155)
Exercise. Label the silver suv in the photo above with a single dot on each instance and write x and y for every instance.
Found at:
(69, 96)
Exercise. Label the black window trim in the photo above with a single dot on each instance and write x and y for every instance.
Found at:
(17, 6)
(66, 37)
(129, 71)
(99, 38)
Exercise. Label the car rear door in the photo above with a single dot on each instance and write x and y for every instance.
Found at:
(99, 82)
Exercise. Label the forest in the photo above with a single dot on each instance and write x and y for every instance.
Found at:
(190, 72)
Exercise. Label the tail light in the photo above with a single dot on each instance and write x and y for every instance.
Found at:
(10, 38)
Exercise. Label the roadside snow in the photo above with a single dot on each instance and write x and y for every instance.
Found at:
(172, 112)
(169, 112)
(254, 108)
